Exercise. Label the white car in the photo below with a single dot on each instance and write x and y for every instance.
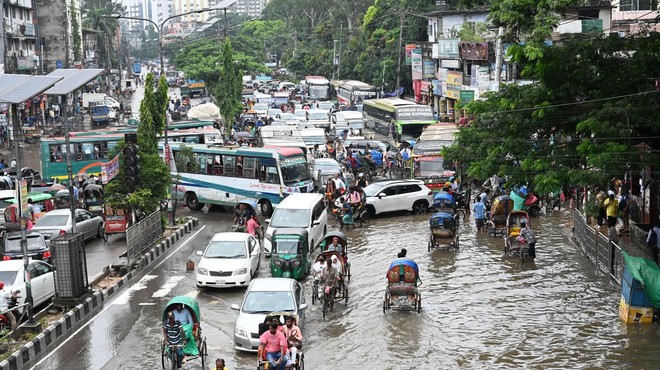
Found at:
(318, 118)
(288, 117)
(42, 280)
(111, 102)
(58, 222)
(260, 109)
(301, 114)
(229, 260)
(299, 210)
(325, 166)
(398, 195)
(263, 296)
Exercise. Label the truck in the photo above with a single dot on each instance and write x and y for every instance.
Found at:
(92, 97)
(193, 88)
(137, 68)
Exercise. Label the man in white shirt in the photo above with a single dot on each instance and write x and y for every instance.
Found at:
(339, 184)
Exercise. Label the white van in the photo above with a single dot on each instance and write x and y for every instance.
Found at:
(300, 210)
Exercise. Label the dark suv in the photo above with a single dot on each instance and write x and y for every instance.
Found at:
(38, 247)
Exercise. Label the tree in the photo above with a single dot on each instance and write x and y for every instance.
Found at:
(230, 87)
(576, 125)
(95, 14)
(154, 176)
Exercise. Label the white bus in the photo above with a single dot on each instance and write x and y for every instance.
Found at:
(227, 175)
(351, 92)
(317, 87)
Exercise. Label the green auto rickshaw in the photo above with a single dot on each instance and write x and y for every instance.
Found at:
(290, 257)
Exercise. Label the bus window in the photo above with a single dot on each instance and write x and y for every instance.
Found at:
(269, 175)
(103, 145)
(217, 164)
(56, 153)
(249, 165)
(229, 162)
(86, 151)
(201, 160)
(239, 166)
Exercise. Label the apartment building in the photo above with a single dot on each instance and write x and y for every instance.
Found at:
(20, 45)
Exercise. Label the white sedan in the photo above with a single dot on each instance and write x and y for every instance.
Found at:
(230, 260)
(42, 279)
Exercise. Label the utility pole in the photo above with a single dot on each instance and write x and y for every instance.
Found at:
(499, 57)
(398, 68)
(334, 58)
(341, 31)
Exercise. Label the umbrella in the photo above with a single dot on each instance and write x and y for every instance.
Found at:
(204, 112)
(55, 188)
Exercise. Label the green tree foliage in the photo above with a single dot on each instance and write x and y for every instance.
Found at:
(587, 119)
(94, 14)
(154, 175)
(229, 88)
(75, 30)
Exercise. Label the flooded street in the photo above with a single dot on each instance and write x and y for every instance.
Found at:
(480, 309)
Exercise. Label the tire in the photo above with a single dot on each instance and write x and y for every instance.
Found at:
(420, 207)
(371, 211)
(429, 246)
(419, 305)
(193, 203)
(266, 208)
(325, 305)
(315, 291)
(345, 294)
(100, 233)
(384, 307)
(301, 362)
(174, 357)
(203, 353)
(162, 354)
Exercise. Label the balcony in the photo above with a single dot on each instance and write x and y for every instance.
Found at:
(581, 26)
(21, 3)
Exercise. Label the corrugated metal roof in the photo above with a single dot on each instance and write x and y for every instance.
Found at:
(7, 82)
(72, 80)
(22, 89)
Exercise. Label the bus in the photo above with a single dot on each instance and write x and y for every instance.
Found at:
(407, 119)
(351, 92)
(90, 149)
(226, 175)
(317, 88)
(428, 164)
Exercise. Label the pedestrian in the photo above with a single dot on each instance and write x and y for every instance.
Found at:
(220, 364)
(611, 206)
(653, 240)
(600, 198)
(479, 210)
(624, 209)
(403, 253)
(13, 164)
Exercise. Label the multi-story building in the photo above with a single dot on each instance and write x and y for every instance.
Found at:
(20, 45)
(250, 8)
(55, 24)
(631, 16)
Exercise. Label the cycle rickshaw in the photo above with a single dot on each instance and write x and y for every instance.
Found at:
(196, 342)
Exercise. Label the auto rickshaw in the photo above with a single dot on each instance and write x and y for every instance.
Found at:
(93, 198)
(195, 342)
(12, 221)
(115, 221)
(62, 199)
(290, 255)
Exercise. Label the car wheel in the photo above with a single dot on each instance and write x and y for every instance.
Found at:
(100, 231)
(420, 207)
(266, 208)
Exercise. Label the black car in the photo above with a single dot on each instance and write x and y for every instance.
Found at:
(38, 247)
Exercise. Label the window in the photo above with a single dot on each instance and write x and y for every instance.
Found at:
(229, 165)
(404, 189)
(390, 191)
(249, 168)
(318, 210)
(635, 5)
(79, 217)
(42, 268)
(298, 293)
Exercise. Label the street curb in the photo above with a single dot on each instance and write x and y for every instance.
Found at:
(68, 322)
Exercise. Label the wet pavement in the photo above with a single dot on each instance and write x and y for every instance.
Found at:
(480, 309)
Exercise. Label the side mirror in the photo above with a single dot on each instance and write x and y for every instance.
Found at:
(382, 195)
(200, 253)
(267, 220)
(303, 306)
(234, 307)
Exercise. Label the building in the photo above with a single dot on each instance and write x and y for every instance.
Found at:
(55, 24)
(90, 48)
(632, 16)
(20, 45)
(250, 8)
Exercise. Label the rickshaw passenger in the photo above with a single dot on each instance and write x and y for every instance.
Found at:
(183, 315)
(252, 225)
(274, 343)
(335, 246)
(293, 335)
(174, 335)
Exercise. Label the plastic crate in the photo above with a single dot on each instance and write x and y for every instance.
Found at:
(633, 292)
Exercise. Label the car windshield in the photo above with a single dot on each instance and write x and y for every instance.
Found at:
(225, 249)
(373, 189)
(52, 220)
(286, 246)
(8, 277)
(326, 105)
(260, 106)
(300, 112)
(287, 116)
(265, 302)
(33, 243)
(294, 170)
(290, 218)
(318, 116)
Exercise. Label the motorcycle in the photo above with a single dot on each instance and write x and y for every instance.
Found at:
(8, 322)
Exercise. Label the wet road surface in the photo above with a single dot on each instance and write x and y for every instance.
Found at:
(480, 309)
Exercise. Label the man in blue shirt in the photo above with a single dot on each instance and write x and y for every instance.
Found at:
(479, 210)
(182, 315)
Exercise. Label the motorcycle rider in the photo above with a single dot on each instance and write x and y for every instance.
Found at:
(7, 301)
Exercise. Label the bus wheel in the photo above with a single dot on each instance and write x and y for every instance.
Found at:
(193, 203)
(266, 208)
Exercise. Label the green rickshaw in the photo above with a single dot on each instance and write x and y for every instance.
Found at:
(195, 343)
(336, 241)
(290, 257)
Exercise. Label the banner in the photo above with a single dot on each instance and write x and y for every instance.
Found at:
(110, 169)
(417, 71)
(23, 191)
(429, 69)
(409, 49)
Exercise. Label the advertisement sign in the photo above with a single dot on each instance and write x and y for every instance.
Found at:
(437, 87)
(23, 191)
(449, 63)
(454, 84)
(483, 78)
(110, 169)
(466, 96)
(435, 51)
(417, 69)
(409, 49)
(429, 69)
(414, 112)
(474, 80)
(448, 48)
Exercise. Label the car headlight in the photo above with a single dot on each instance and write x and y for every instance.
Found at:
(295, 263)
(202, 271)
(278, 262)
(242, 271)
(240, 332)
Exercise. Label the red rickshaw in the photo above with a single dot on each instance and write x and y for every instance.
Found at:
(116, 221)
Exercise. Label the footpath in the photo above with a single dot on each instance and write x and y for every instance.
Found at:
(19, 353)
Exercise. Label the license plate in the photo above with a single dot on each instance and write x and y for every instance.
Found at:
(218, 281)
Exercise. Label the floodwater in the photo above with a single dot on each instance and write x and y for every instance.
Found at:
(481, 310)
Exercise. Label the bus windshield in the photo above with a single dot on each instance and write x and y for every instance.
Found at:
(429, 166)
(318, 91)
(294, 170)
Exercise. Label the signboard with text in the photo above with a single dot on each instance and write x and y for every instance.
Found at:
(409, 49)
(466, 96)
(417, 68)
(421, 111)
(23, 191)
(109, 170)
(448, 48)
(454, 84)
(429, 69)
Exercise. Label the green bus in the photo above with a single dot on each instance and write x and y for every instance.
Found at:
(405, 120)
(89, 149)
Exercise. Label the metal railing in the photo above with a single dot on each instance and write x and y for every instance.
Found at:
(142, 235)
(600, 249)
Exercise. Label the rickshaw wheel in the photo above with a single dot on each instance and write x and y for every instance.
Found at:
(315, 292)
(301, 363)
(418, 303)
(203, 352)
(429, 246)
(105, 237)
(345, 294)
(384, 308)
(162, 354)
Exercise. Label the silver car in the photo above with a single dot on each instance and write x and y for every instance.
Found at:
(58, 222)
(263, 296)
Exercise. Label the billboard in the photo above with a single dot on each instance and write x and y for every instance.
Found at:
(417, 68)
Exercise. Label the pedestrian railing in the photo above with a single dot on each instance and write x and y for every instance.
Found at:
(601, 250)
(142, 234)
